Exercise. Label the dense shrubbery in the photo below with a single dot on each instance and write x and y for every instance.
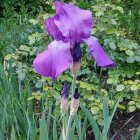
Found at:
(24, 36)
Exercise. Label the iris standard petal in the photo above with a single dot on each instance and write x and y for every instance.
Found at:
(74, 23)
(98, 53)
(53, 61)
(58, 6)
(53, 30)
(51, 27)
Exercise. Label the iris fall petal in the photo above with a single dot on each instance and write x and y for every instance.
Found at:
(98, 53)
(53, 61)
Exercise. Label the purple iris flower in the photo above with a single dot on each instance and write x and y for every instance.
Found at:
(69, 27)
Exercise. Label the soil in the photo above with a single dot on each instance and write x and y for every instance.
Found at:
(126, 132)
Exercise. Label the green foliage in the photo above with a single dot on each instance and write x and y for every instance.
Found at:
(23, 36)
(12, 7)
(94, 83)
(19, 117)
(108, 114)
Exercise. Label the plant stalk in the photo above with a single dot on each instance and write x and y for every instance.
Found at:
(69, 126)
(64, 127)
(71, 116)
(73, 85)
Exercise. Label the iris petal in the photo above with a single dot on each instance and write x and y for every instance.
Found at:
(53, 61)
(53, 30)
(74, 23)
(98, 53)
(58, 6)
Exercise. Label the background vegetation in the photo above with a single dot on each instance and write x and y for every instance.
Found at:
(25, 95)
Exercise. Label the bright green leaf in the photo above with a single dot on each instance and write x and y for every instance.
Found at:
(112, 45)
(33, 21)
(138, 105)
(30, 98)
(100, 122)
(99, 13)
(131, 103)
(119, 8)
(109, 81)
(38, 84)
(134, 87)
(111, 31)
(120, 88)
(131, 108)
(129, 52)
(94, 110)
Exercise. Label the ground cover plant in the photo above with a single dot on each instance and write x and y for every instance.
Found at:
(26, 97)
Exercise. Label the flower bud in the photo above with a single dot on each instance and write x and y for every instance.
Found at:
(75, 67)
(65, 91)
(75, 103)
(64, 98)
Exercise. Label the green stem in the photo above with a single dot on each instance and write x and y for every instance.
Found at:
(64, 127)
(100, 77)
(73, 85)
(71, 116)
(69, 126)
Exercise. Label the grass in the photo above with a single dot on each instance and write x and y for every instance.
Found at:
(13, 104)
(17, 116)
